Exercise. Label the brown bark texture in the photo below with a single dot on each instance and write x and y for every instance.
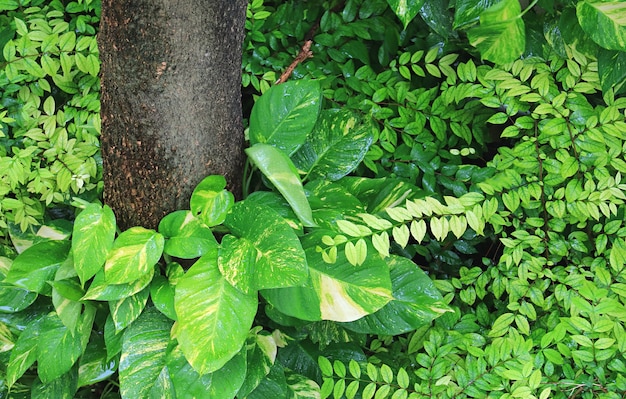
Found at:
(171, 102)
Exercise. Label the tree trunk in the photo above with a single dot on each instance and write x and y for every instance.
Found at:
(171, 102)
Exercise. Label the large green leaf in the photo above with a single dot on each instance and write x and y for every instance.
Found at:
(336, 146)
(263, 252)
(605, 22)
(124, 311)
(92, 239)
(162, 296)
(213, 317)
(221, 384)
(338, 291)
(63, 387)
(406, 10)
(210, 201)
(279, 169)
(93, 365)
(379, 194)
(467, 12)
(24, 353)
(416, 302)
(142, 363)
(286, 114)
(61, 347)
(134, 254)
(612, 69)
(187, 236)
(103, 291)
(500, 37)
(330, 202)
(14, 299)
(37, 265)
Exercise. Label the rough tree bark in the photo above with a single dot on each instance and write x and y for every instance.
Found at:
(171, 102)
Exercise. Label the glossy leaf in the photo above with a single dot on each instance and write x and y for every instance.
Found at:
(14, 299)
(61, 347)
(162, 296)
(124, 311)
(605, 22)
(211, 201)
(24, 353)
(416, 302)
(261, 355)
(263, 252)
(187, 236)
(284, 115)
(93, 365)
(338, 292)
(103, 291)
(467, 12)
(336, 146)
(63, 387)
(612, 70)
(406, 10)
(500, 37)
(222, 384)
(142, 363)
(37, 265)
(92, 239)
(279, 169)
(213, 317)
(380, 194)
(134, 254)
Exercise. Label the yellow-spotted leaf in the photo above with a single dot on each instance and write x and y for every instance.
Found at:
(37, 265)
(262, 252)
(134, 254)
(279, 169)
(126, 310)
(103, 291)
(92, 239)
(213, 316)
(143, 372)
(605, 22)
(210, 201)
(338, 291)
(406, 10)
(416, 302)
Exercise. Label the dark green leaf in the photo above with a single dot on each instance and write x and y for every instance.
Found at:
(124, 311)
(467, 12)
(406, 10)
(604, 21)
(286, 114)
(612, 69)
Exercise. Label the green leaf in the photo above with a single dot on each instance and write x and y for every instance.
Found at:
(211, 201)
(467, 12)
(142, 363)
(605, 22)
(261, 354)
(93, 365)
(406, 10)
(612, 69)
(279, 169)
(336, 146)
(61, 346)
(286, 114)
(92, 239)
(162, 296)
(24, 353)
(266, 253)
(63, 387)
(213, 317)
(416, 302)
(500, 37)
(134, 254)
(124, 311)
(37, 265)
(380, 194)
(221, 384)
(14, 299)
(101, 290)
(187, 236)
(338, 291)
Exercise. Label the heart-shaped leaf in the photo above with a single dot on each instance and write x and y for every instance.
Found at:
(210, 201)
(92, 239)
(37, 265)
(604, 21)
(406, 10)
(266, 253)
(286, 114)
(134, 254)
(213, 316)
(336, 146)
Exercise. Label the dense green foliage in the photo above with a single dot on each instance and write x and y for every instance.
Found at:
(418, 222)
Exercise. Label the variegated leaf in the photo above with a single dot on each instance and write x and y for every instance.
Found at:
(134, 254)
(92, 239)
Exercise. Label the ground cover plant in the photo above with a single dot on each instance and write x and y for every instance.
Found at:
(424, 216)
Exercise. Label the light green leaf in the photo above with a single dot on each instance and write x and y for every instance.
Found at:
(187, 236)
(266, 253)
(92, 239)
(338, 291)
(211, 201)
(416, 302)
(605, 22)
(162, 296)
(134, 254)
(24, 353)
(336, 146)
(467, 12)
(286, 114)
(406, 10)
(142, 363)
(279, 169)
(500, 37)
(213, 317)
(37, 265)
(103, 291)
